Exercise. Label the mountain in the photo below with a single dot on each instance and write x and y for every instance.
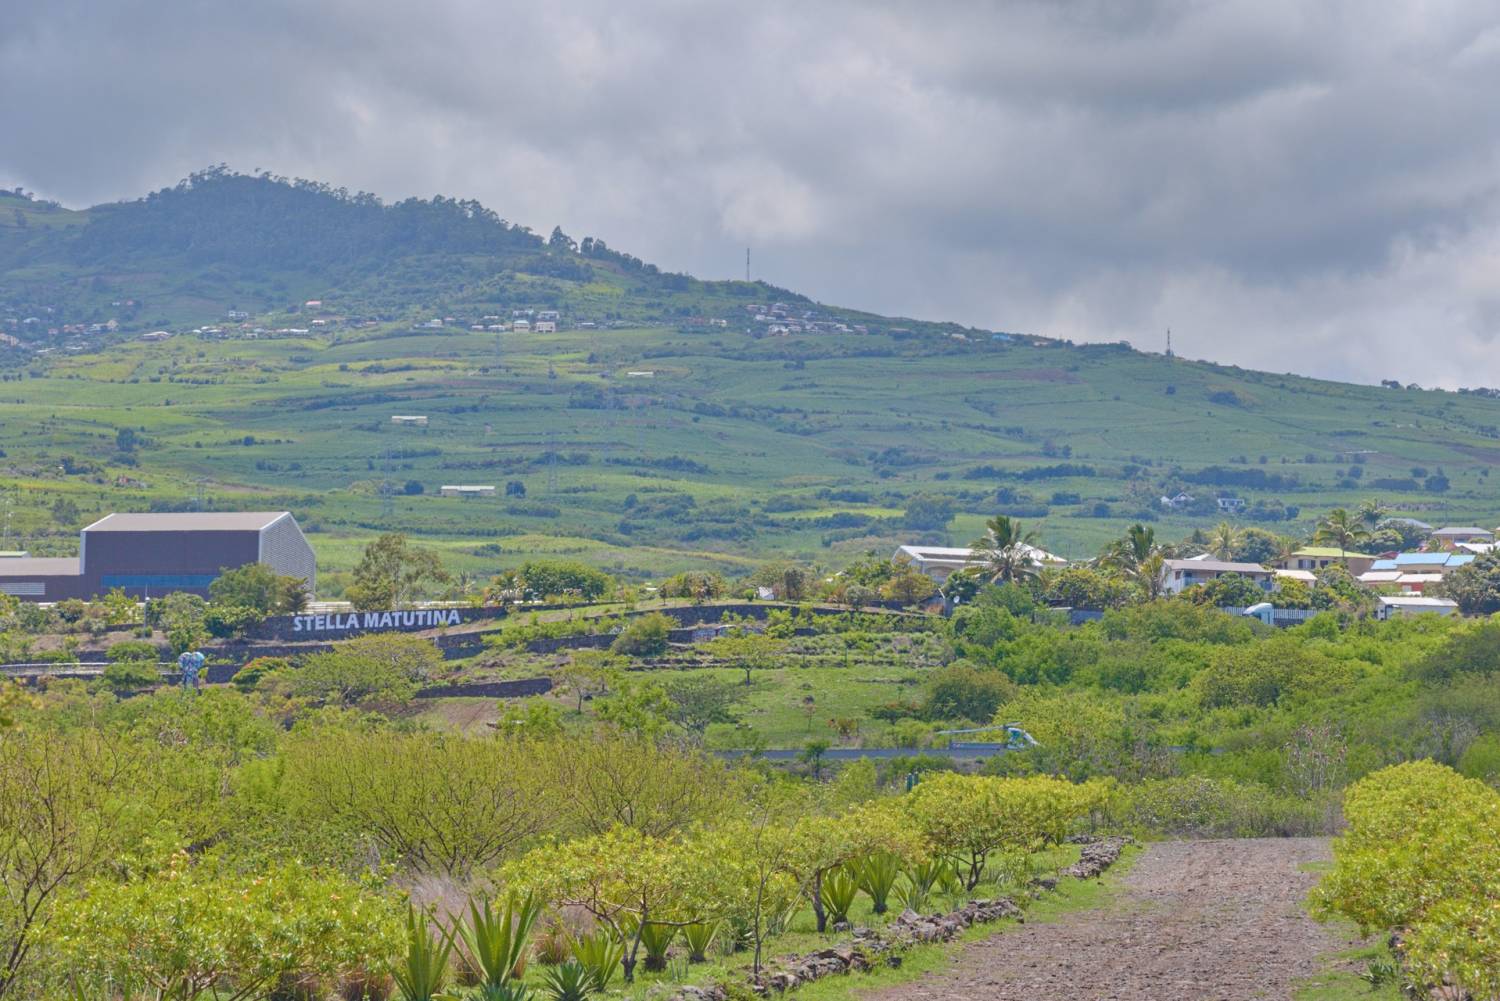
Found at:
(669, 423)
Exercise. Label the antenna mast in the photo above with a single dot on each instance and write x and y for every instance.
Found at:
(1169, 342)
(747, 264)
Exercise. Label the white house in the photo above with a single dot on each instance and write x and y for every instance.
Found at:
(1231, 504)
(521, 325)
(546, 326)
(409, 420)
(939, 562)
(1414, 604)
(467, 490)
(1179, 575)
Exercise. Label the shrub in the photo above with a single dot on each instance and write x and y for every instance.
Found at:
(132, 650)
(644, 637)
(1198, 807)
(131, 675)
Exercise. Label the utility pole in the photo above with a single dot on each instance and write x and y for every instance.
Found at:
(1169, 342)
(551, 463)
(747, 264)
(200, 481)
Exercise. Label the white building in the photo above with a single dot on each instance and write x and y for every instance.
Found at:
(1179, 575)
(467, 490)
(546, 327)
(1414, 604)
(409, 420)
(940, 562)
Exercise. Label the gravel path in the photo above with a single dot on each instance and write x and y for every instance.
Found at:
(1192, 921)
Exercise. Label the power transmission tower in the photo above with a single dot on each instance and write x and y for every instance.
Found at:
(747, 264)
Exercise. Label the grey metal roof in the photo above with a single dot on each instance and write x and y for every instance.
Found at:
(39, 566)
(187, 521)
(1215, 566)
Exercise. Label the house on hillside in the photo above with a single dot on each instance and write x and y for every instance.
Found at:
(521, 325)
(546, 326)
(1413, 572)
(1450, 537)
(1179, 575)
(409, 420)
(467, 490)
(1415, 605)
(940, 562)
(1178, 502)
(1231, 505)
(1315, 558)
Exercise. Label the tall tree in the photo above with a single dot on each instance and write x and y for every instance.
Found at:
(1006, 553)
(1372, 513)
(1341, 529)
(392, 572)
(1223, 541)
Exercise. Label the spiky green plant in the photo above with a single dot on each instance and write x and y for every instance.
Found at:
(571, 981)
(699, 937)
(496, 939)
(600, 954)
(656, 939)
(422, 971)
(840, 887)
(877, 875)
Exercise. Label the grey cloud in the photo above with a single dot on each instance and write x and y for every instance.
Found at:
(1288, 185)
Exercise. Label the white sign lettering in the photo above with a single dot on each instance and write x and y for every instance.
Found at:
(343, 622)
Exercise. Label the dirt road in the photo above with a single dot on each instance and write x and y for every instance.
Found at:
(1192, 921)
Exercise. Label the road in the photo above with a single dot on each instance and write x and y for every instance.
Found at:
(1191, 921)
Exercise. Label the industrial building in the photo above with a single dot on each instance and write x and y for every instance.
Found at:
(151, 555)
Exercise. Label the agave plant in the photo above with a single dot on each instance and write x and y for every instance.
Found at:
(512, 991)
(840, 887)
(922, 881)
(656, 939)
(600, 955)
(496, 940)
(876, 876)
(571, 981)
(421, 973)
(699, 937)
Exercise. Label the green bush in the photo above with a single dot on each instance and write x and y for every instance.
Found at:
(131, 675)
(225, 621)
(132, 650)
(644, 637)
(1201, 807)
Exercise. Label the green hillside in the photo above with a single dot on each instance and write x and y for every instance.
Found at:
(739, 446)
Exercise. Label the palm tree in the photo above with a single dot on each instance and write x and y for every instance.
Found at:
(1129, 550)
(1341, 529)
(1224, 540)
(1372, 513)
(1005, 553)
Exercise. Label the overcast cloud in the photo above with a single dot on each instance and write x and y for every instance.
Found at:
(1293, 186)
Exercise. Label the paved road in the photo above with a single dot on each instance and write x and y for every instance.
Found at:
(1193, 920)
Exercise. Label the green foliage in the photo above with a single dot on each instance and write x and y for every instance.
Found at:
(192, 931)
(840, 887)
(392, 573)
(572, 981)
(182, 616)
(699, 937)
(877, 875)
(656, 939)
(496, 941)
(964, 692)
(1475, 586)
(250, 675)
(1195, 806)
(381, 667)
(258, 588)
(540, 579)
(599, 955)
(132, 650)
(131, 675)
(424, 968)
(645, 636)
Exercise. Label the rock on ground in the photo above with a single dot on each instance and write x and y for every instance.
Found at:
(1192, 921)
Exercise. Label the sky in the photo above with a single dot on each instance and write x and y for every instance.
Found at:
(1290, 186)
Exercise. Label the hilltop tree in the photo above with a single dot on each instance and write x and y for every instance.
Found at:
(1372, 513)
(1005, 553)
(1223, 541)
(1341, 529)
(392, 573)
(257, 587)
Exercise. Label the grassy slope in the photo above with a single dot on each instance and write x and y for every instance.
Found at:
(876, 418)
(495, 416)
